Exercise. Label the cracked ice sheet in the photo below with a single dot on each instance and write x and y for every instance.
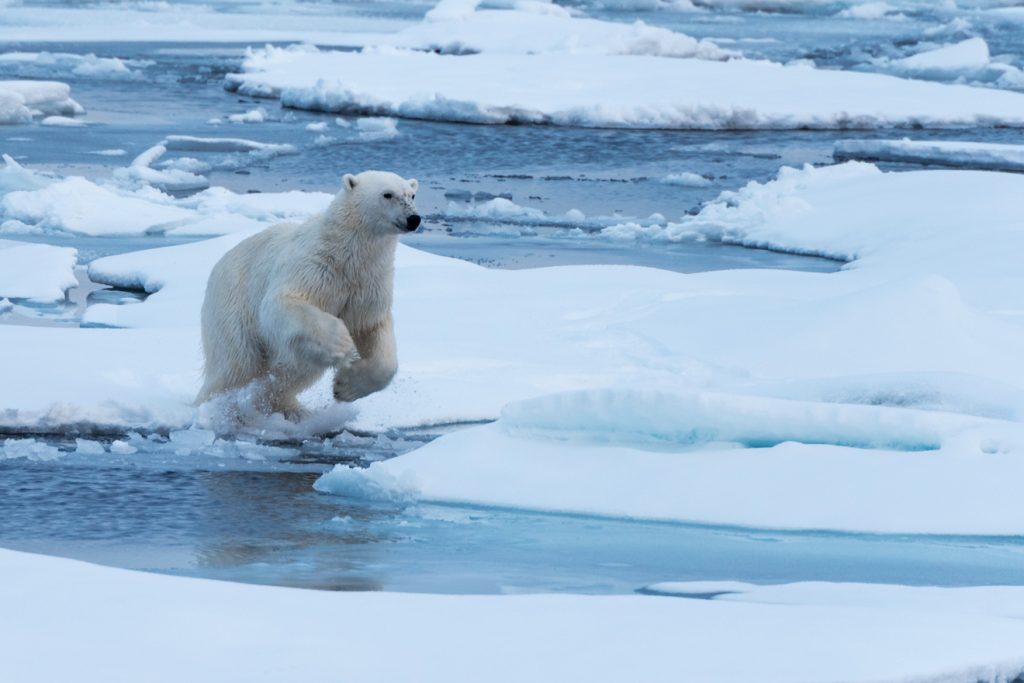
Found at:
(115, 623)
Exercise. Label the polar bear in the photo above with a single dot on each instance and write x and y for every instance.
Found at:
(291, 301)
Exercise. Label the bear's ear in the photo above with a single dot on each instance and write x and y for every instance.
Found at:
(414, 184)
(348, 181)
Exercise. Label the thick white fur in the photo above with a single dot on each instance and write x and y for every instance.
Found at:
(294, 300)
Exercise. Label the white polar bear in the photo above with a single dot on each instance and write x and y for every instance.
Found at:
(291, 301)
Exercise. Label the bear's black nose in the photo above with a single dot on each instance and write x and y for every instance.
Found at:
(412, 222)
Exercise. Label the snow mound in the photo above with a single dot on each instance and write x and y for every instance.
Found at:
(36, 271)
(612, 91)
(973, 155)
(20, 101)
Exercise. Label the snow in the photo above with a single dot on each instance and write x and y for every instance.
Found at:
(721, 460)
(528, 31)
(39, 272)
(120, 622)
(80, 206)
(22, 100)
(141, 171)
(63, 64)
(34, 202)
(974, 155)
(611, 91)
(966, 61)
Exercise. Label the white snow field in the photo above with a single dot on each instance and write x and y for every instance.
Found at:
(562, 88)
(22, 100)
(976, 155)
(139, 626)
(36, 271)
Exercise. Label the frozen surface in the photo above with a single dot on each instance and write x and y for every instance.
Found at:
(120, 622)
(975, 155)
(22, 100)
(966, 61)
(543, 28)
(587, 462)
(64, 64)
(35, 271)
(627, 91)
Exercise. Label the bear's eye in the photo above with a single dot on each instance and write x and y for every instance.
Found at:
(388, 195)
(414, 196)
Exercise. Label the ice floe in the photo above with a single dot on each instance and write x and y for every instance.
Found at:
(969, 155)
(36, 271)
(613, 91)
(966, 61)
(141, 170)
(525, 29)
(22, 100)
(120, 622)
(63, 64)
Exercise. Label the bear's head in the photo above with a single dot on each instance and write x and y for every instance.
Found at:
(384, 201)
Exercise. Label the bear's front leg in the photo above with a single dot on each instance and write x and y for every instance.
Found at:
(376, 367)
(312, 337)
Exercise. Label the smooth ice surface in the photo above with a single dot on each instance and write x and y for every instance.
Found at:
(620, 91)
(974, 155)
(120, 622)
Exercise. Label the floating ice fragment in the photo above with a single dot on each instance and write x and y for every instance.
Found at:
(29, 449)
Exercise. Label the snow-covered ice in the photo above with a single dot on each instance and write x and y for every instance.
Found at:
(611, 91)
(64, 64)
(972, 155)
(120, 622)
(22, 100)
(545, 28)
(36, 271)
(966, 61)
(141, 170)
